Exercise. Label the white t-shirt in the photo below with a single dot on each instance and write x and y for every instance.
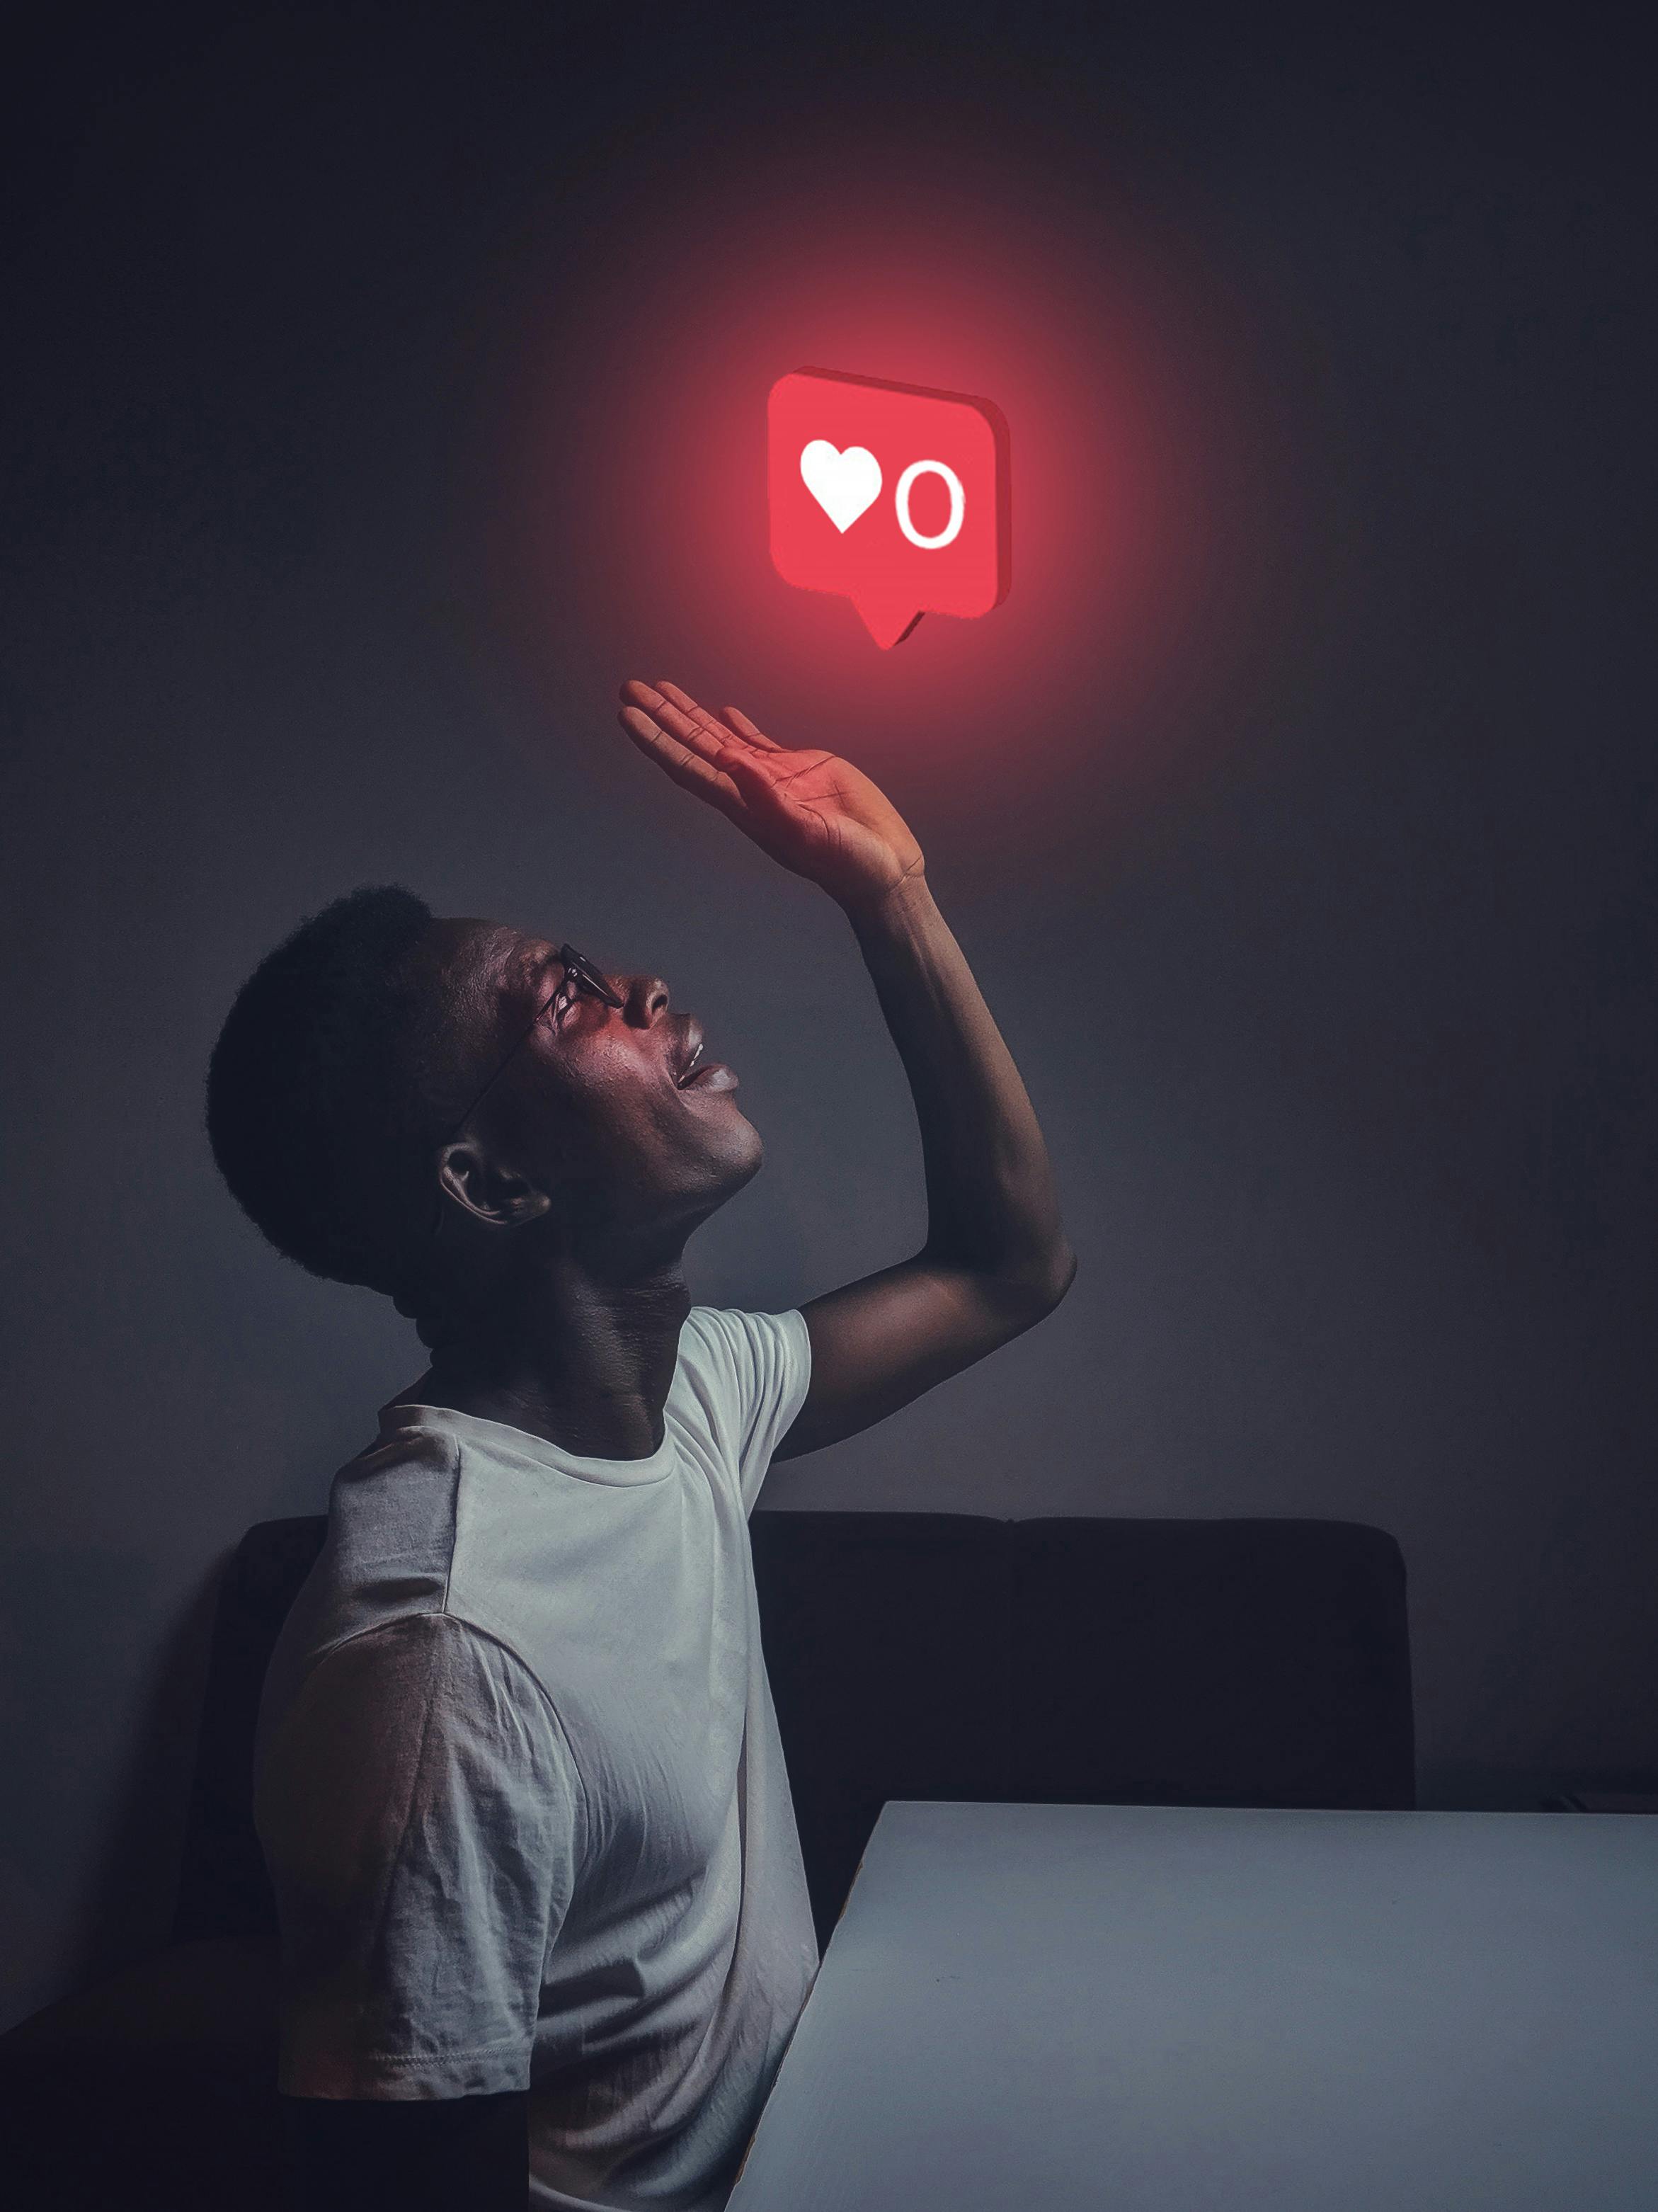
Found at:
(520, 1787)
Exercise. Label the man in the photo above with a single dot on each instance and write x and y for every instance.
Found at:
(519, 1783)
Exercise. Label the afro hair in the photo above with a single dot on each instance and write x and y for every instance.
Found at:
(315, 1105)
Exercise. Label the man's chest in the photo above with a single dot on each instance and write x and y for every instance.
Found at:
(647, 1651)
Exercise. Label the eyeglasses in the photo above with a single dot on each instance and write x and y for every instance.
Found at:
(579, 975)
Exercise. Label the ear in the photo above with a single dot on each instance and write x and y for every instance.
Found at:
(490, 1193)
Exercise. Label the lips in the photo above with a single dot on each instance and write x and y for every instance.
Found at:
(710, 1075)
(690, 1051)
(692, 1072)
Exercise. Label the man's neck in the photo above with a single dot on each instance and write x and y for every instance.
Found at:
(583, 1362)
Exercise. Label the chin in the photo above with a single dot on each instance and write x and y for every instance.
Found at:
(740, 1156)
(725, 1171)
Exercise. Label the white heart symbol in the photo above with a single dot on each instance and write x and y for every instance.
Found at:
(843, 484)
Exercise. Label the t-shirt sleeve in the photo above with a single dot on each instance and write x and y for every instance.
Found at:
(423, 1821)
(753, 1371)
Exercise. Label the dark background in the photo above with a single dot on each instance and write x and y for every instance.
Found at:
(1338, 1013)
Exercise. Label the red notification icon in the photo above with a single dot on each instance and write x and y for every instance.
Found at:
(891, 496)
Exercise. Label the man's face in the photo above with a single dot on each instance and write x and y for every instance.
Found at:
(594, 1108)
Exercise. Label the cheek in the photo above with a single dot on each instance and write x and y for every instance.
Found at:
(644, 1136)
(615, 1114)
(564, 1126)
(614, 1119)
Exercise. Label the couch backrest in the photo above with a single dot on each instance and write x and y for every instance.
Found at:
(952, 1656)
(1078, 1661)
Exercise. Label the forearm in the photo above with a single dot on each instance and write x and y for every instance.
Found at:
(449, 2154)
(991, 1205)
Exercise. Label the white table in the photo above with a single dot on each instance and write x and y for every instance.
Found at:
(1146, 2009)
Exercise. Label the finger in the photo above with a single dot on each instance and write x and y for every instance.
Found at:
(658, 734)
(679, 697)
(691, 773)
(754, 776)
(636, 692)
(698, 734)
(730, 722)
(710, 724)
(688, 768)
(722, 732)
(677, 713)
(735, 719)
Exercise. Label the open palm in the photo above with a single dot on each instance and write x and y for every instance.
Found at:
(812, 809)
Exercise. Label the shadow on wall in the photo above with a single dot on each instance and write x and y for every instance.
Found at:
(72, 1716)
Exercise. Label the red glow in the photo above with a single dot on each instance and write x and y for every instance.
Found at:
(630, 502)
(852, 458)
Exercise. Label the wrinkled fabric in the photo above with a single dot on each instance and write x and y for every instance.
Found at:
(520, 1787)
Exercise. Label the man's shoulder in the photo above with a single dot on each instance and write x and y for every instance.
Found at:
(421, 1725)
(390, 1546)
(383, 1575)
(426, 1652)
(742, 1379)
(734, 1348)
(409, 1674)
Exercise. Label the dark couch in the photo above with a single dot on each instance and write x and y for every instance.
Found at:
(911, 1656)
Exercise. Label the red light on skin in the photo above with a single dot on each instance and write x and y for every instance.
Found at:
(891, 496)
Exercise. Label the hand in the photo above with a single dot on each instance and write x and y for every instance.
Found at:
(813, 812)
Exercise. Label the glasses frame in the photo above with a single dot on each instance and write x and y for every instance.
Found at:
(577, 969)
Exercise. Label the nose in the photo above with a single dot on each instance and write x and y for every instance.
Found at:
(645, 1000)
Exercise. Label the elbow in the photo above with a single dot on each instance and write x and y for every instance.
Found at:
(1011, 1295)
(1061, 1274)
(1033, 1292)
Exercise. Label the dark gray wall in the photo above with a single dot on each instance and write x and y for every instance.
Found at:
(1341, 1029)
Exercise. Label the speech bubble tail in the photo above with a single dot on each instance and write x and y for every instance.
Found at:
(888, 626)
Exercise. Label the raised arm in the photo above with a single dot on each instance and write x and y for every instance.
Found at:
(995, 1260)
